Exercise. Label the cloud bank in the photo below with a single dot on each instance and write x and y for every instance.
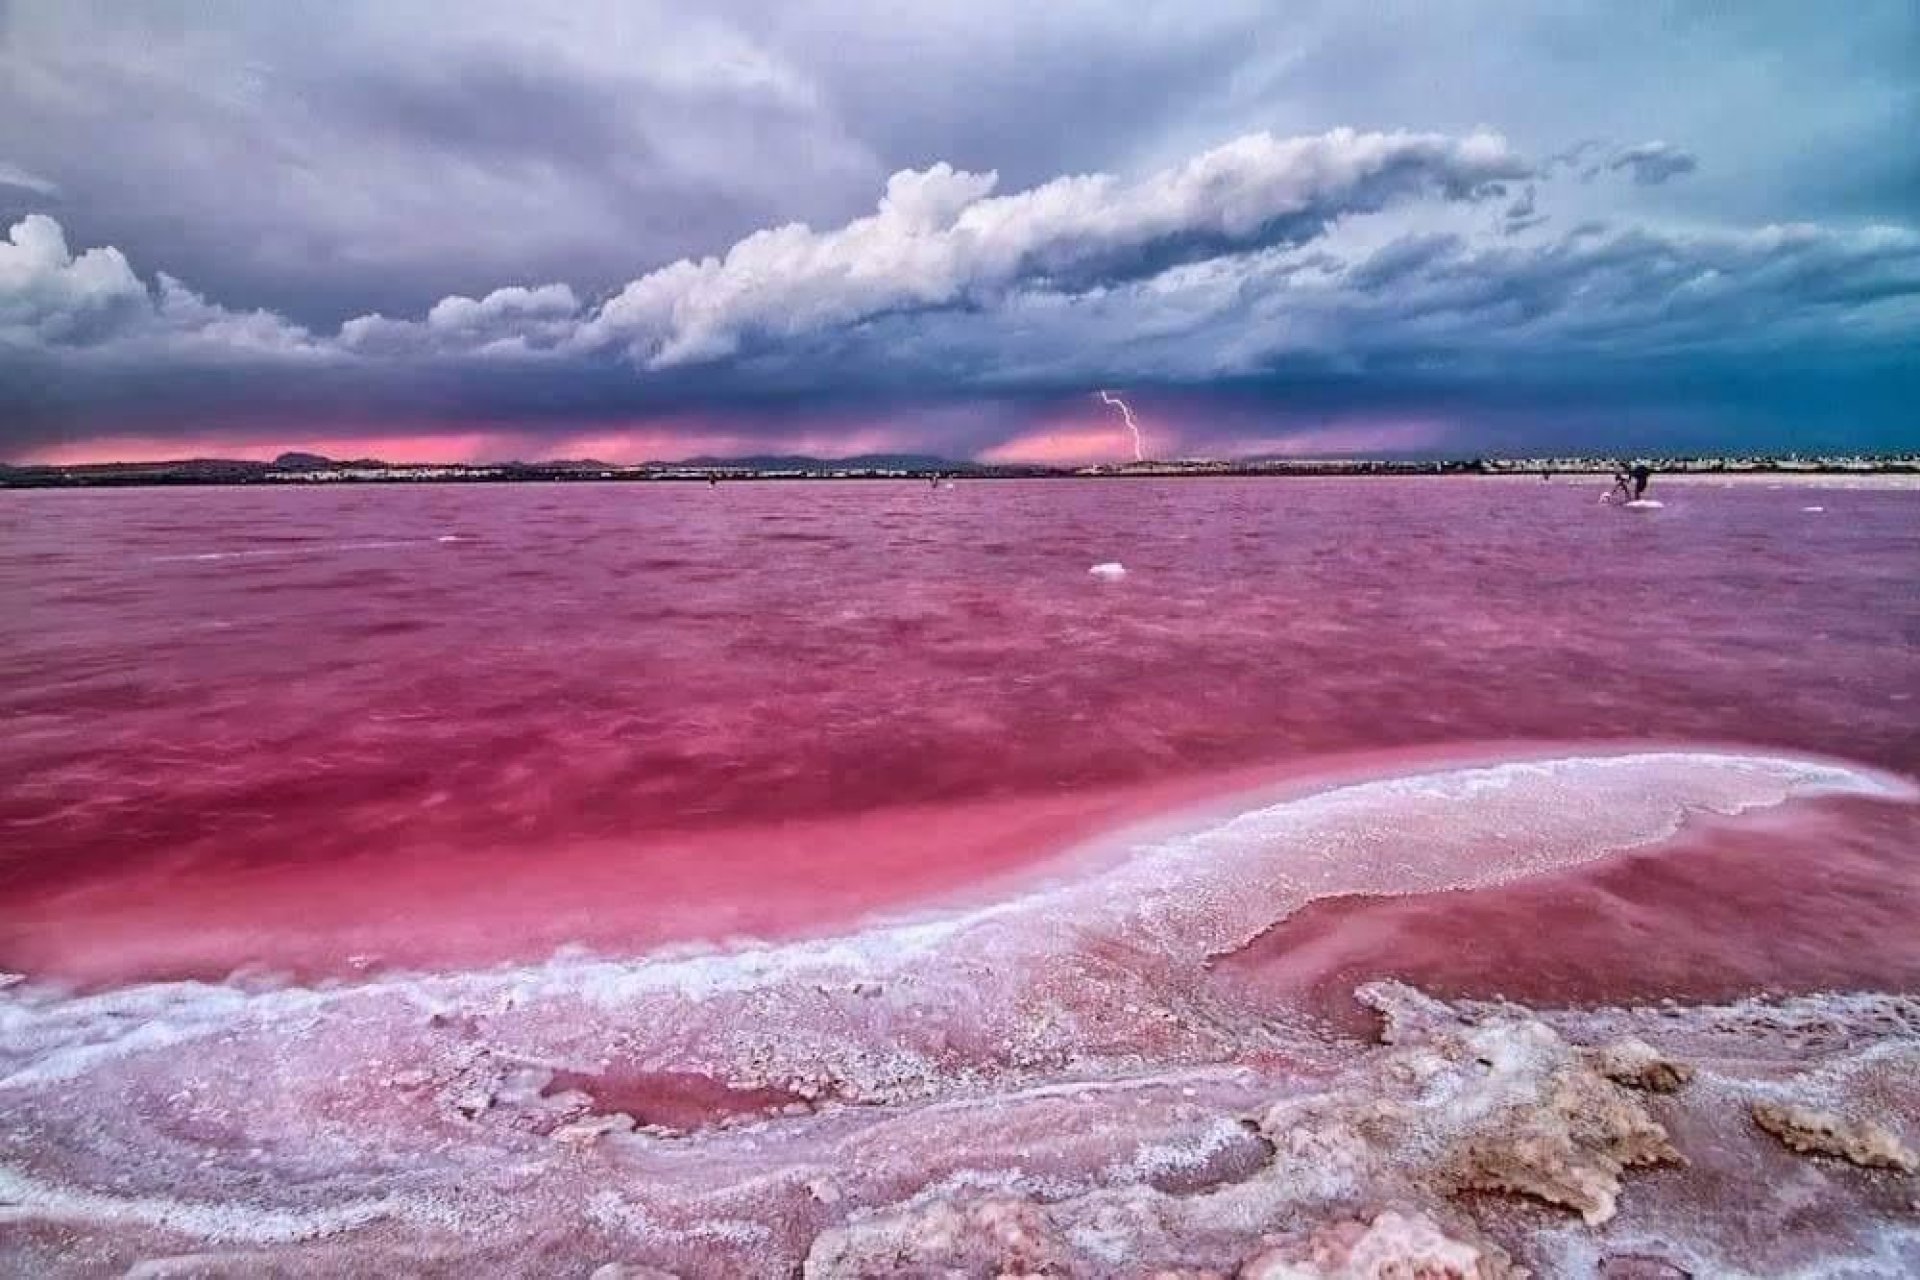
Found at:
(1331, 288)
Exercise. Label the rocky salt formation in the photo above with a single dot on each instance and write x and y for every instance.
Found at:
(987, 1237)
(1812, 1132)
(1392, 1245)
(1377, 1163)
(1638, 1065)
(1511, 1106)
(1012, 1238)
(1357, 1182)
(1369, 1172)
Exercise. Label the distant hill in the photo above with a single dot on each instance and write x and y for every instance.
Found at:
(296, 461)
(167, 467)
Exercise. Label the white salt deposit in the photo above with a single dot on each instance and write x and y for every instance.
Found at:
(1063, 1045)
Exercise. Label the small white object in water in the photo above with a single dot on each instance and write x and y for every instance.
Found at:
(1645, 504)
(1813, 508)
(449, 537)
(1110, 570)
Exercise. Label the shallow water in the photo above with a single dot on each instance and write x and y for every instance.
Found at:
(865, 820)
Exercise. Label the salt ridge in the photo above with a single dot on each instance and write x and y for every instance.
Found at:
(1278, 840)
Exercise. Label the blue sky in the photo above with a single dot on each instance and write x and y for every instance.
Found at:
(633, 230)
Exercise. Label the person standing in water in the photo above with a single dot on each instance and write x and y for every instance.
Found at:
(1629, 482)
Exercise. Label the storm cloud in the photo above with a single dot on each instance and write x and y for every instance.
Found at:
(326, 220)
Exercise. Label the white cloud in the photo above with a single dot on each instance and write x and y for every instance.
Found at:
(51, 297)
(514, 320)
(457, 314)
(184, 318)
(940, 238)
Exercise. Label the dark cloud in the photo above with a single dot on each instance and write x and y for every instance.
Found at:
(327, 158)
(1028, 91)
(356, 212)
(1523, 214)
(494, 112)
(1597, 319)
(1652, 163)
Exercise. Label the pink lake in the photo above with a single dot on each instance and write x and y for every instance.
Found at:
(360, 744)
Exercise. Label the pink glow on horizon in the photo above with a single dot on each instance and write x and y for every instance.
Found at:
(1079, 438)
(654, 442)
(1069, 444)
(471, 446)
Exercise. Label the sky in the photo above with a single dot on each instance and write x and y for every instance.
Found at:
(634, 231)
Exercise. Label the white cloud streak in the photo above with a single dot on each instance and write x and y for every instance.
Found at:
(12, 175)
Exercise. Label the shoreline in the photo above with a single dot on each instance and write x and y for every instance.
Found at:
(860, 1105)
(1893, 472)
(865, 875)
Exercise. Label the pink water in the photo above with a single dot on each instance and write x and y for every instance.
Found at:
(422, 735)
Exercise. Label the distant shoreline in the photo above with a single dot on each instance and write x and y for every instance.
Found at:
(313, 470)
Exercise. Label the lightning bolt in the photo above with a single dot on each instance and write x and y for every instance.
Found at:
(1139, 443)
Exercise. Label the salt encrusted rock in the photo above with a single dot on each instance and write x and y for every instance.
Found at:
(1824, 1133)
(1514, 1107)
(1453, 1102)
(994, 1237)
(1566, 1144)
(1639, 1065)
(1393, 1245)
